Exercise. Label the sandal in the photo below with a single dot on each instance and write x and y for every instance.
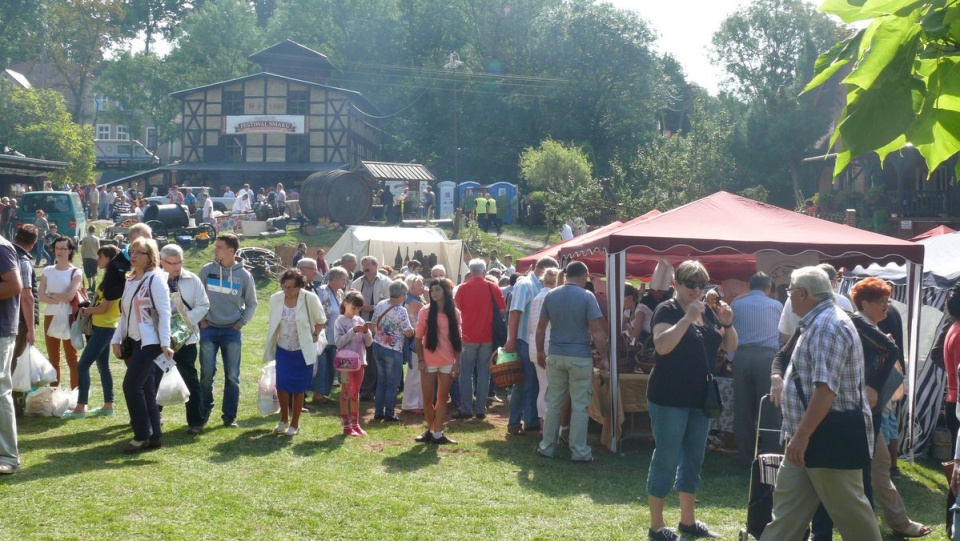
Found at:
(913, 530)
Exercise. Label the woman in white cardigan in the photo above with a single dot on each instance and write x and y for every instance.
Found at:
(145, 321)
(296, 323)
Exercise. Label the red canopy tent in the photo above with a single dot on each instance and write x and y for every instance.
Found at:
(936, 231)
(728, 228)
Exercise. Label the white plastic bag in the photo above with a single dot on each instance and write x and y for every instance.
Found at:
(172, 390)
(48, 402)
(60, 325)
(41, 371)
(76, 335)
(267, 401)
(21, 374)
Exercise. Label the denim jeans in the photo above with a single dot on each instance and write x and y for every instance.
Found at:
(323, 379)
(140, 392)
(389, 371)
(8, 421)
(680, 435)
(97, 350)
(523, 398)
(226, 340)
(474, 361)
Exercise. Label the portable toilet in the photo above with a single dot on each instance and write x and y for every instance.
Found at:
(503, 192)
(445, 193)
(462, 189)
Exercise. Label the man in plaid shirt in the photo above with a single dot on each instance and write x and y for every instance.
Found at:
(828, 359)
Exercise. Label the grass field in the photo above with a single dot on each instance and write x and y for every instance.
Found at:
(248, 483)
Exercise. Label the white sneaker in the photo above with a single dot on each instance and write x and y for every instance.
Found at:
(293, 431)
(281, 428)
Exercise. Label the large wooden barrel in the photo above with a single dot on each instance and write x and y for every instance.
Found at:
(341, 196)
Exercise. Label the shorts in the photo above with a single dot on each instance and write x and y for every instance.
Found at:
(889, 426)
(90, 267)
(446, 369)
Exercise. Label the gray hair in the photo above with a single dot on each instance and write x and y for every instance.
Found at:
(477, 266)
(442, 269)
(141, 230)
(412, 279)
(337, 272)
(550, 277)
(348, 257)
(830, 270)
(814, 281)
(307, 262)
(547, 262)
(170, 249)
(370, 259)
(397, 289)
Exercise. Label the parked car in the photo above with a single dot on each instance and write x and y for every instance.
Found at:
(123, 153)
(63, 208)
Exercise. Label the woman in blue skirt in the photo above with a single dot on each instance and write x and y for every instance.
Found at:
(296, 321)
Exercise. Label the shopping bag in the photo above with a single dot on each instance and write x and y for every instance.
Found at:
(76, 335)
(47, 402)
(41, 371)
(267, 401)
(60, 325)
(172, 390)
(21, 374)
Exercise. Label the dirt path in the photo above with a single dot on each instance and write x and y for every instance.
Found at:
(526, 244)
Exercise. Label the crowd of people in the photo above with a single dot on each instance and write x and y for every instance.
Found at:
(827, 361)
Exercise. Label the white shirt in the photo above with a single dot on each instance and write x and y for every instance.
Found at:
(208, 209)
(229, 193)
(241, 205)
(566, 233)
(789, 320)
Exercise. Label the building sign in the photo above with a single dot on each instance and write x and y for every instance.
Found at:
(246, 124)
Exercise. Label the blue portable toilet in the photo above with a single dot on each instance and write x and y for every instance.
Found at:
(462, 191)
(504, 192)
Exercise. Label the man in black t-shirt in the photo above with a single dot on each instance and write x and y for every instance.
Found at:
(115, 275)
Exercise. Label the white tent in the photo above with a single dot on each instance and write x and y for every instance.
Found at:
(941, 264)
(385, 242)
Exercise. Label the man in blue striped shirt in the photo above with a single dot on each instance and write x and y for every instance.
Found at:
(755, 316)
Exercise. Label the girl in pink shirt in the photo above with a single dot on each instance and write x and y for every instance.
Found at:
(439, 345)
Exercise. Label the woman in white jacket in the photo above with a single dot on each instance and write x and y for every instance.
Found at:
(296, 321)
(189, 298)
(145, 325)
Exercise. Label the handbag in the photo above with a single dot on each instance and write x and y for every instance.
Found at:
(499, 324)
(840, 440)
(347, 359)
(79, 300)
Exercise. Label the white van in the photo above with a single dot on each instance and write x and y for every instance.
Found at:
(117, 153)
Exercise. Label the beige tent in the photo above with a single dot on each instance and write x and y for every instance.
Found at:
(385, 242)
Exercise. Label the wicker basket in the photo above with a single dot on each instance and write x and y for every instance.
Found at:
(505, 374)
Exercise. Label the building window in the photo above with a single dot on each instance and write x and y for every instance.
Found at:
(100, 102)
(298, 149)
(232, 102)
(231, 148)
(298, 102)
(122, 132)
(103, 131)
(151, 138)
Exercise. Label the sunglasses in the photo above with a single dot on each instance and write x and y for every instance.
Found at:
(690, 284)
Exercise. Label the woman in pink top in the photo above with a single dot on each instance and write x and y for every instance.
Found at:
(438, 345)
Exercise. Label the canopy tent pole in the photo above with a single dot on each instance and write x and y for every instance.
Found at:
(915, 296)
(616, 278)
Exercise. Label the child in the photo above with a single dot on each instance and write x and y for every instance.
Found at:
(350, 332)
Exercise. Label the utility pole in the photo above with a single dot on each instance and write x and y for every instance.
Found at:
(453, 64)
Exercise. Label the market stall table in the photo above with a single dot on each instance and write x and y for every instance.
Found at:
(233, 222)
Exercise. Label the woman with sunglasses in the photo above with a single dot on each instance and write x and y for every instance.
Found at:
(686, 338)
(145, 325)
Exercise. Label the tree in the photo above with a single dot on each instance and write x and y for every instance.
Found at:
(768, 49)
(153, 18)
(142, 83)
(78, 33)
(16, 18)
(564, 174)
(903, 86)
(36, 123)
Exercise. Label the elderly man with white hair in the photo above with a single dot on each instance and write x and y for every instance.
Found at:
(308, 268)
(478, 300)
(827, 425)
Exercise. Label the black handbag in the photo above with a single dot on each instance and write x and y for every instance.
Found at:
(840, 440)
(499, 324)
(712, 403)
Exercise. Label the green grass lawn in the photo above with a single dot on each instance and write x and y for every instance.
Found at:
(247, 483)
